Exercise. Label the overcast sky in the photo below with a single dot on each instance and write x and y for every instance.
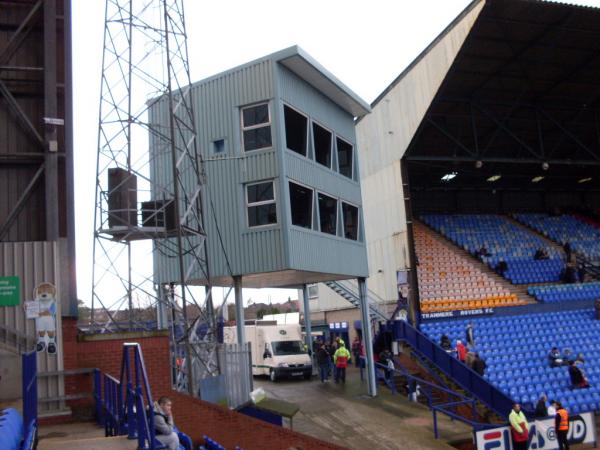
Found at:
(365, 44)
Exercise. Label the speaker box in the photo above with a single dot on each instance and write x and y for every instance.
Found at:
(159, 214)
(122, 198)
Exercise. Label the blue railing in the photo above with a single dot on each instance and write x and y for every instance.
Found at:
(449, 406)
(30, 398)
(464, 376)
(125, 406)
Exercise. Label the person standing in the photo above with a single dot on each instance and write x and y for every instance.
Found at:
(356, 351)
(461, 351)
(479, 365)
(164, 424)
(561, 426)
(340, 359)
(519, 428)
(323, 361)
(470, 335)
(541, 410)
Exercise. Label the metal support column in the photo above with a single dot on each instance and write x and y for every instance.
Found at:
(239, 309)
(50, 111)
(307, 325)
(414, 302)
(367, 338)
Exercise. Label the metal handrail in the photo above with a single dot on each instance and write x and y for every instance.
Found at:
(125, 405)
(348, 287)
(440, 407)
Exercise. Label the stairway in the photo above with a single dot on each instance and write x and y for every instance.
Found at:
(519, 290)
(349, 291)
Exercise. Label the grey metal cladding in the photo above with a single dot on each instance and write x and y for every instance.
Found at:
(34, 263)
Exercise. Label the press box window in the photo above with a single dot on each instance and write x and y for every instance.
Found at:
(256, 127)
(328, 214)
(301, 202)
(344, 152)
(260, 200)
(322, 144)
(350, 216)
(296, 130)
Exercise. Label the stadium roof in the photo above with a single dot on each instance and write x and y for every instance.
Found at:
(524, 88)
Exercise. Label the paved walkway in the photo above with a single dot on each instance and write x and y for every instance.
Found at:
(344, 415)
(79, 436)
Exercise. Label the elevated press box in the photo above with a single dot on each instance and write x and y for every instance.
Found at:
(277, 136)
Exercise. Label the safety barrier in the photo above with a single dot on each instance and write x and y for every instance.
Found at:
(125, 406)
(464, 376)
(449, 406)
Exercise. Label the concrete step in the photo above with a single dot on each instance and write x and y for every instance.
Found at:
(101, 443)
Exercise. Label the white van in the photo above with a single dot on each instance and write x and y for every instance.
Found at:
(277, 350)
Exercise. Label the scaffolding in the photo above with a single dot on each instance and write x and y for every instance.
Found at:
(145, 71)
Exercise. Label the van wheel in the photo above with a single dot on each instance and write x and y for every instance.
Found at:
(273, 375)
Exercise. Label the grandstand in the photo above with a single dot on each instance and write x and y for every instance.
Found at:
(449, 280)
(516, 347)
(581, 236)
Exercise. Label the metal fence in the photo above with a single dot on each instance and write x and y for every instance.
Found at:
(235, 362)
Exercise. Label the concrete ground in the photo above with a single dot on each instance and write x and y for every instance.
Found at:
(81, 435)
(343, 414)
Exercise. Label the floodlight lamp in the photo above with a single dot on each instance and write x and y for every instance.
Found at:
(545, 166)
(478, 164)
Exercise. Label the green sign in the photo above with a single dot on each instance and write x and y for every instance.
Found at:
(10, 291)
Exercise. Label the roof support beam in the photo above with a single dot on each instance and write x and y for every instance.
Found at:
(570, 135)
(449, 135)
(552, 162)
(20, 35)
(20, 115)
(507, 130)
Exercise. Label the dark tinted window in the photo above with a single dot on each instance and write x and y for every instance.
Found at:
(301, 205)
(344, 151)
(287, 348)
(350, 215)
(262, 209)
(328, 214)
(257, 138)
(262, 215)
(255, 115)
(322, 142)
(296, 130)
(260, 192)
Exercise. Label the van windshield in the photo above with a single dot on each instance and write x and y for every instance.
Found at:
(281, 348)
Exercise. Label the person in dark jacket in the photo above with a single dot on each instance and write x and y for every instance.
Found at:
(578, 379)
(479, 364)
(470, 335)
(384, 358)
(324, 362)
(501, 268)
(446, 344)
(555, 358)
(541, 410)
(164, 424)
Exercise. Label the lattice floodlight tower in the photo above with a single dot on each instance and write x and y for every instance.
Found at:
(146, 104)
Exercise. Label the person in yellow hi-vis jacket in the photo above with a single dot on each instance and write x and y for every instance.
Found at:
(340, 359)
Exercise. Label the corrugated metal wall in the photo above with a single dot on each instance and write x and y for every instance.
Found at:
(33, 263)
(307, 249)
(216, 104)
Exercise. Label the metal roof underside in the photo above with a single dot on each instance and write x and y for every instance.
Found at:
(304, 66)
(524, 89)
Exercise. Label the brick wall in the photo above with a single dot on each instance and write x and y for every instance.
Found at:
(229, 428)
(193, 416)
